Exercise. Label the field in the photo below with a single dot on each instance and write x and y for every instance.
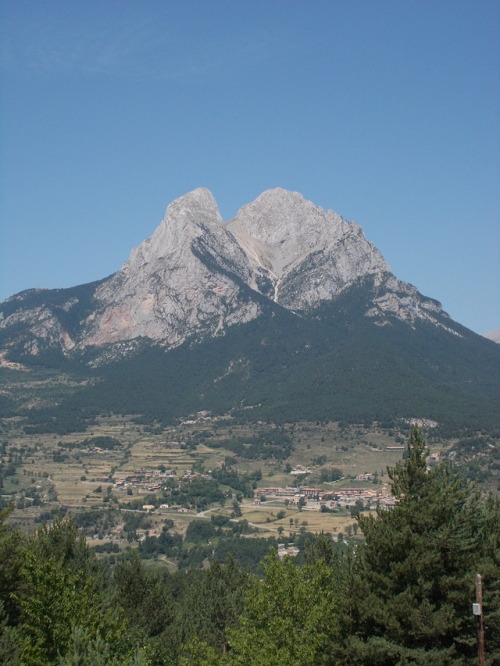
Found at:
(61, 460)
(69, 471)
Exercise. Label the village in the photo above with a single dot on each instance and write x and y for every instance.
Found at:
(318, 499)
(147, 481)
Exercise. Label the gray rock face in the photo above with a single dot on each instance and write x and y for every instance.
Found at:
(303, 254)
(181, 281)
(196, 275)
(45, 328)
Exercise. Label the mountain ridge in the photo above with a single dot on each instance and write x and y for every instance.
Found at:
(287, 312)
(197, 275)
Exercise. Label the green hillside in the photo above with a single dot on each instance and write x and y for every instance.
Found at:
(333, 364)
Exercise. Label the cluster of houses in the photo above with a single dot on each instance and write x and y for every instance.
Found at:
(145, 480)
(300, 469)
(316, 498)
(151, 480)
(287, 549)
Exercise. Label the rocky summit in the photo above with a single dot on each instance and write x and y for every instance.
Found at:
(197, 275)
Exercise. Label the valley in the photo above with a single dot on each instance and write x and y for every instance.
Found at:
(239, 479)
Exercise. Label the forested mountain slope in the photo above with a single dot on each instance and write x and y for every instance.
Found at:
(287, 312)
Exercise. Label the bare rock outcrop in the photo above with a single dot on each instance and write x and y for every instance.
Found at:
(184, 279)
(303, 254)
(196, 275)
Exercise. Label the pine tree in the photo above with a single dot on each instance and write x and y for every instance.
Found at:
(143, 597)
(213, 603)
(419, 566)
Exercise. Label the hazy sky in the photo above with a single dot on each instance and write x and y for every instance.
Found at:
(385, 111)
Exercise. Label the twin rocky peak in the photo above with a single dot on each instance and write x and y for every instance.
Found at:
(197, 274)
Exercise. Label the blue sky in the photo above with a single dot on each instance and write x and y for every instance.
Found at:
(385, 111)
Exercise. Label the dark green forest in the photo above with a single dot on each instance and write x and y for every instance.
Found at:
(402, 597)
(333, 363)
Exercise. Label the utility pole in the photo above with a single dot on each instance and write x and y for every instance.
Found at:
(477, 609)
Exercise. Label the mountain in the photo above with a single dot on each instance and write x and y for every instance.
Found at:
(493, 335)
(286, 309)
(197, 275)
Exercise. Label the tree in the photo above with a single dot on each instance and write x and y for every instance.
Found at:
(199, 531)
(10, 564)
(142, 595)
(58, 592)
(289, 617)
(86, 649)
(62, 541)
(236, 509)
(319, 548)
(346, 587)
(11, 553)
(357, 508)
(52, 604)
(212, 605)
(419, 565)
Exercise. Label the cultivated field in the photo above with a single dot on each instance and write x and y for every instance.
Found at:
(69, 471)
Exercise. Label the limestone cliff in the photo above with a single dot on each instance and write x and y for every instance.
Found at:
(197, 275)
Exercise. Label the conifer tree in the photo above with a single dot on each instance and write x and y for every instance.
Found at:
(213, 603)
(144, 598)
(419, 566)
